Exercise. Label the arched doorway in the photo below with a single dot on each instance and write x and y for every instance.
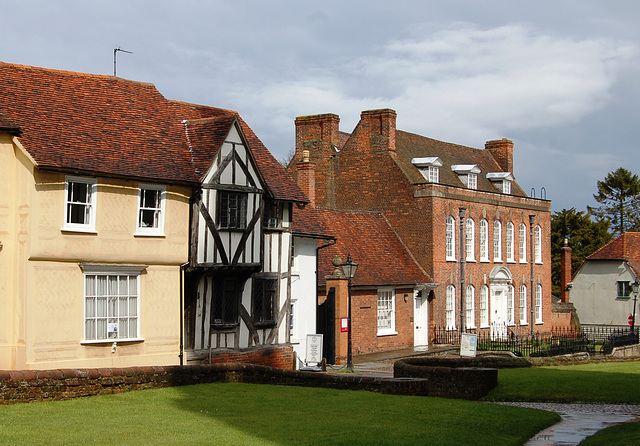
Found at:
(499, 280)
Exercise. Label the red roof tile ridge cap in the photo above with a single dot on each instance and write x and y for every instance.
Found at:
(76, 73)
(205, 120)
(436, 140)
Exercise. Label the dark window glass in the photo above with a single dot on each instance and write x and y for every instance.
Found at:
(624, 289)
(264, 300)
(226, 298)
(232, 210)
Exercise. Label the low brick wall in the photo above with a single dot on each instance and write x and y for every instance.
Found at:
(37, 385)
(457, 377)
(280, 356)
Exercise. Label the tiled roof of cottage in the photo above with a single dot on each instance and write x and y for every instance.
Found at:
(110, 126)
(309, 221)
(8, 126)
(410, 146)
(623, 247)
(382, 258)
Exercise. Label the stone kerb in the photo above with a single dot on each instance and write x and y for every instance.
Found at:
(456, 377)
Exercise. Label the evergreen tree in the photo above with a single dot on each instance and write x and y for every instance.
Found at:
(585, 237)
(619, 198)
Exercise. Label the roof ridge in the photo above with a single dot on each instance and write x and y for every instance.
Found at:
(75, 73)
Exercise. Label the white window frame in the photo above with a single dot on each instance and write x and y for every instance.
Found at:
(451, 307)
(386, 310)
(510, 243)
(511, 319)
(537, 241)
(470, 239)
(522, 249)
(497, 241)
(484, 306)
(107, 324)
(484, 240)
(506, 187)
(159, 211)
(470, 307)
(90, 204)
(451, 239)
(433, 174)
(472, 181)
(523, 304)
(538, 309)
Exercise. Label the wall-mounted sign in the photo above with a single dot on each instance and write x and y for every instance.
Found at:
(344, 324)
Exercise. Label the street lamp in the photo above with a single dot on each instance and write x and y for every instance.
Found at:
(349, 269)
(635, 287)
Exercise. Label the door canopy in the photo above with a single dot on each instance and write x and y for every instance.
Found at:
(500, 275)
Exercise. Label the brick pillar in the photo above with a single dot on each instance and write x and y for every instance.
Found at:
(306, 177)
(339, 282)
(565, 271)
(502, 152)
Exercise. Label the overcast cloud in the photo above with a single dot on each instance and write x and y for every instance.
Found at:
(556, 77)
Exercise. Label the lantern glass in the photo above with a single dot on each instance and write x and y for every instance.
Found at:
(349, 268)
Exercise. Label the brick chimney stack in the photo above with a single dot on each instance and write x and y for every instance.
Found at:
(380, 125)
(319, 134)
(565, 271)
(306, 177)
(502, 152)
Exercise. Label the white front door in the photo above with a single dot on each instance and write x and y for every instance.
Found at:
(498, 311)
(420, 321)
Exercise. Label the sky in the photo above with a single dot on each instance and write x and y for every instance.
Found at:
(558, 78)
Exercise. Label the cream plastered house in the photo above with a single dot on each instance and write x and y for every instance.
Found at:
(134, 230)
(601, 288)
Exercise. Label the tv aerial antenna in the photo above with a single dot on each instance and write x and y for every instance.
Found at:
(115, 51)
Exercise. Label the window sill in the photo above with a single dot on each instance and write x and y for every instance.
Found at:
(511, 261)
(471, 260)
(524, 262)
(451, 259)
(106, 342)
(485, 261)
(386, 333)
(485, 326)
(149, 234)
(522, 324)
(79, 230)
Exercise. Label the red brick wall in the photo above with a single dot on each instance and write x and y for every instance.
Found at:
(280, 356)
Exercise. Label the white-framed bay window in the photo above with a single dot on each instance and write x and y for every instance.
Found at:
(80, 204)
(111, 302)
(386, 312)
(151, 209)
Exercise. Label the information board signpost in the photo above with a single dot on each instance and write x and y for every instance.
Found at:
(314, 349)
(468, 344)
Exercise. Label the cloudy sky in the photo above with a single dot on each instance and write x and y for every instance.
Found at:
(559, 78)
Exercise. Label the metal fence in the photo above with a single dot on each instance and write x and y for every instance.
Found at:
(589, 339)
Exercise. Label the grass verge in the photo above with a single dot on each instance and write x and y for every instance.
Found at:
(607, 382)
(237, 414)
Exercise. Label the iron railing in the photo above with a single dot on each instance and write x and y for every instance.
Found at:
(559, 341)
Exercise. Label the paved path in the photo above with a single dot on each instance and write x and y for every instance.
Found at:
(579, 421)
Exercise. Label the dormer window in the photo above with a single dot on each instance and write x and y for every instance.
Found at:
(502, 181)
(429, 167)
(468, 174)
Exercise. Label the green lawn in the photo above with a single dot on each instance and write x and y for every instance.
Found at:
(236, 414)
(607, 382)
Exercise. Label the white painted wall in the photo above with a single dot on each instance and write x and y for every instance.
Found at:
(594, 293)
(303, 293)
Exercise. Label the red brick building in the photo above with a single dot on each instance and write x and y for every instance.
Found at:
(434, 195)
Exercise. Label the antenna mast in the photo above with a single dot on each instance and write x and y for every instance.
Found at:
(115, 50)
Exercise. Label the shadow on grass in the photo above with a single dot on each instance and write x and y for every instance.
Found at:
(295, 415)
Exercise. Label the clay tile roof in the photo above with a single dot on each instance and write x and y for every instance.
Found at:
(7, 126)
(368, 237)
(410, 146)
(309, 221)
(624, 247)
(110, 126)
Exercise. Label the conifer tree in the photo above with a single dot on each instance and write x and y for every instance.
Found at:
(619, 198)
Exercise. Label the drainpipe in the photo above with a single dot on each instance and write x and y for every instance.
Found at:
(463, 241)
(331, 243)
(181, 355)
